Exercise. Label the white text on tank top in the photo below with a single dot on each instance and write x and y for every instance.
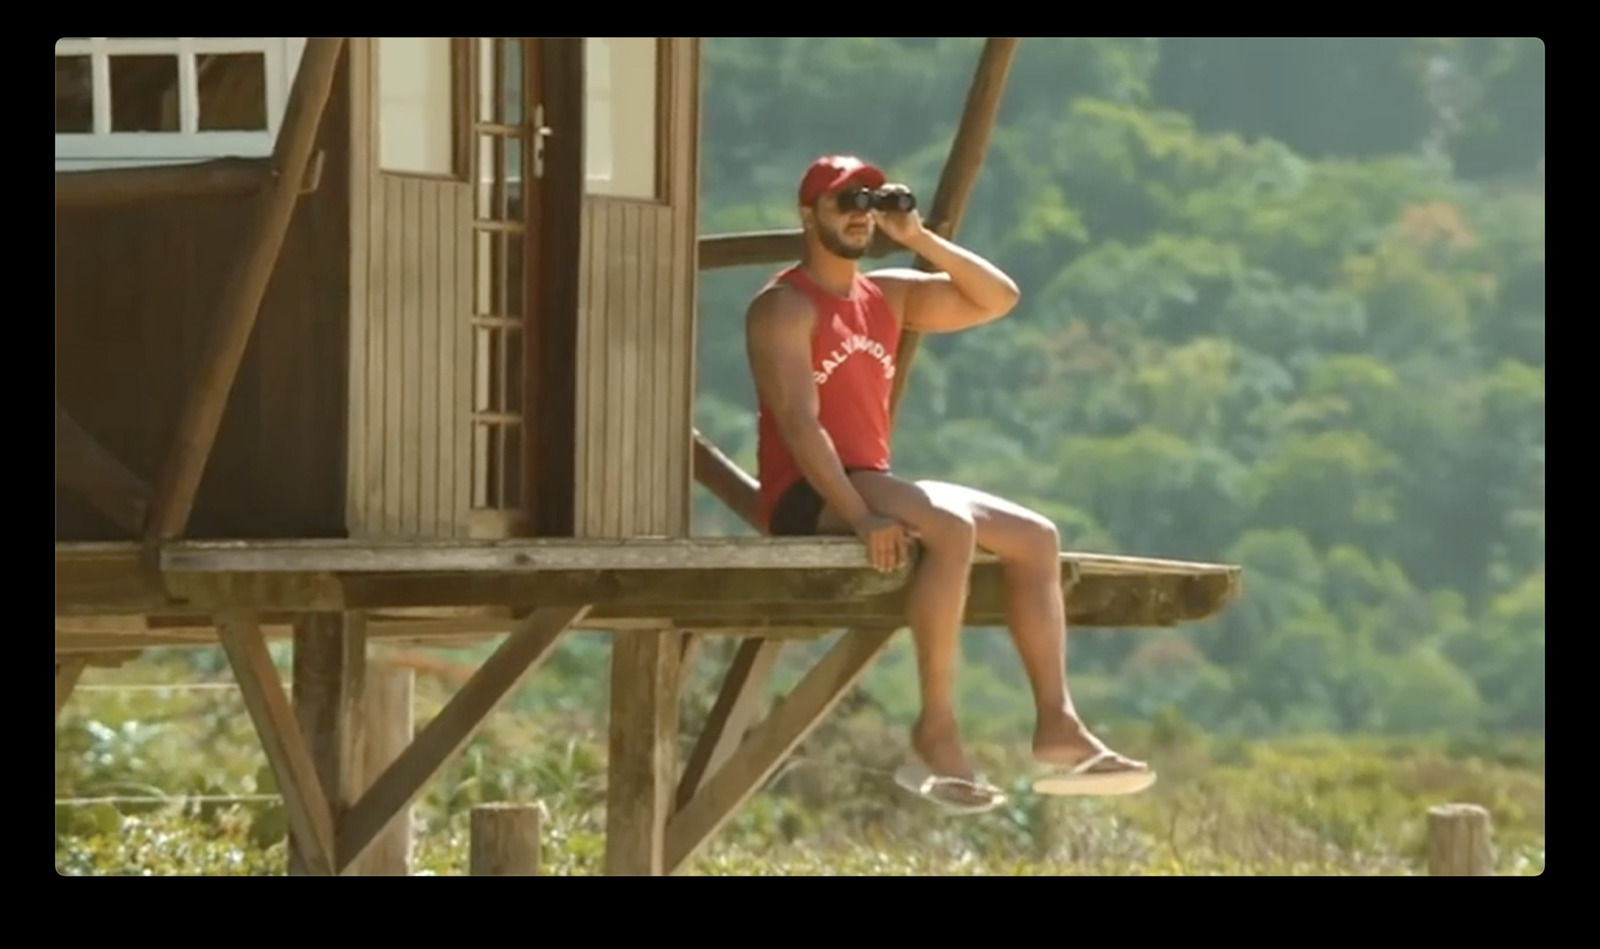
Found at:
(848, 347)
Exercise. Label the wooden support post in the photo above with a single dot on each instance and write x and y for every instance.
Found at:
(1460, 841)
(68, 672)
(241, 297)
(642, 761)
(86, 467)
(767, 745)
(310, 817)
(531, 643)
(505, 840)
(330, 661)
(388, 723)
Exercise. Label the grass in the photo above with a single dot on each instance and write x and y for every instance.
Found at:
(1313, 805)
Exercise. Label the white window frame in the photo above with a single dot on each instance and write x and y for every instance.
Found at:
(395, 110)
(103, 148)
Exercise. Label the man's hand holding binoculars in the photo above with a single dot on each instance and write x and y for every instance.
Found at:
(897, 215)
(893, 208)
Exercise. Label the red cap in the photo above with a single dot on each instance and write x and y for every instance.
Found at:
(832, 172)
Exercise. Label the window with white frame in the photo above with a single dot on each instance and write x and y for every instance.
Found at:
(416, 104)
(620, 119)
(163, 100)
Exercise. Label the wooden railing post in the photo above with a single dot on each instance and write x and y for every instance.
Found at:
(505, 840)
(1459, 841)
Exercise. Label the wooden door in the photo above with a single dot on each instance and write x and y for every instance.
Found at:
(527, 149)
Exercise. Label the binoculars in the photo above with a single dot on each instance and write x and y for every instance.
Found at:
(880, 199)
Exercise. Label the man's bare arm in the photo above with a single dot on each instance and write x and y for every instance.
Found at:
(778, 341)
(969, 292)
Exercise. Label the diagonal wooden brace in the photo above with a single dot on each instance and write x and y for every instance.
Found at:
(241, 297)
(84, 465)
(529, 645)
(304, 799)
(736, 707)
(766, 747)
(960, 173)
(69, 669)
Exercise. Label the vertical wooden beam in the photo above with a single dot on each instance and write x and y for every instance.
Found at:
(555, 281)
(241, 297)
(504, 841)
(388, 724)
(330, 660)
(642, 761)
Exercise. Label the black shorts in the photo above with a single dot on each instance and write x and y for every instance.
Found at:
(800, 508)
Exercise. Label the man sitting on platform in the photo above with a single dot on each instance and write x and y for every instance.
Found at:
(822, 339)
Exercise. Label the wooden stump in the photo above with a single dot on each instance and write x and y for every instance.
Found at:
(505, 840)
(1459, 841)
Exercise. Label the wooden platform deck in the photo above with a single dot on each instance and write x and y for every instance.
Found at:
(427, 590)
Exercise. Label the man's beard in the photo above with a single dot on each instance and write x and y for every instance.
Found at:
(835, 244)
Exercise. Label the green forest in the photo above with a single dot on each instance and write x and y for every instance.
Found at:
(1282, 306)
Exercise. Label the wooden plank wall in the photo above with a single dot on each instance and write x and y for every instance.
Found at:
(410, 340)
(136, 290)
(636, 336)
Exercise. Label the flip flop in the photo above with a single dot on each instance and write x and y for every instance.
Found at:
(1079, 780)
(915, 777)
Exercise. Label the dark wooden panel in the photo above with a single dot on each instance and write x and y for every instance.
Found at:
(135, 292)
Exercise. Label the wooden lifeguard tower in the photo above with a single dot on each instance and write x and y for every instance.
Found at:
(393, 338)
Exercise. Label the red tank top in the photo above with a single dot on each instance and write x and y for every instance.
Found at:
(853, 347)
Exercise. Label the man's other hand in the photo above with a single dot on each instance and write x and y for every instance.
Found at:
(888, 542)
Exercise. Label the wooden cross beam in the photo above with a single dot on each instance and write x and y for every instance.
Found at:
(769, 247)
(740, 764)
(104, 187)
(240, 301)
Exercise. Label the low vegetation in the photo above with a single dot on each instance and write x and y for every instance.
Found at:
(1310, 805)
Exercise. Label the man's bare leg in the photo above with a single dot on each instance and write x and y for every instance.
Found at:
(936, 605)
(1029, 549)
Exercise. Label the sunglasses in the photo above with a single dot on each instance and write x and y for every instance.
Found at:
(875, 199)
